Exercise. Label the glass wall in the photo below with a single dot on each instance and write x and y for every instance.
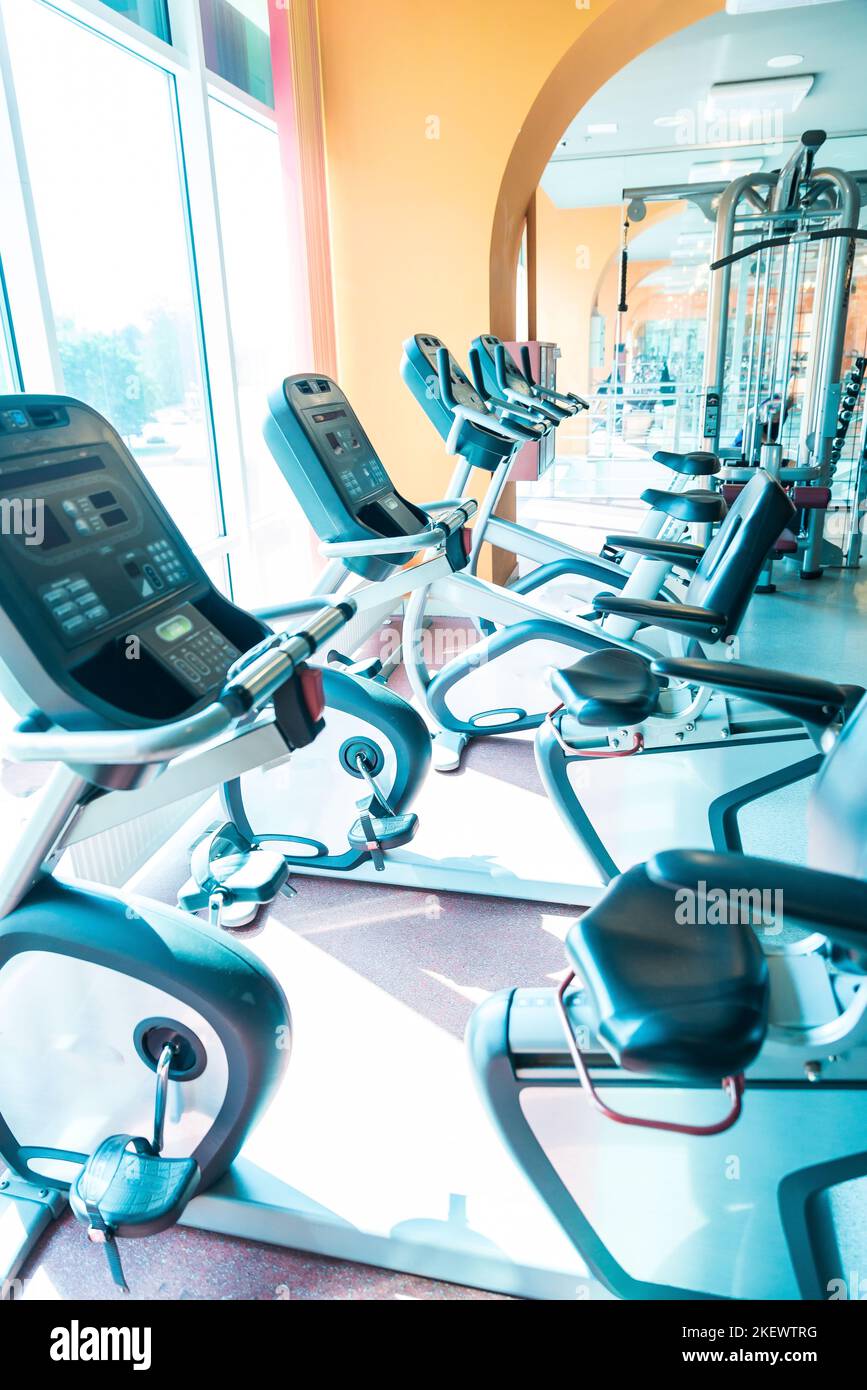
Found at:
(99, 130)
(237, 45)
(8, 375)
(152, 15)
(147, 257)
(265, 338)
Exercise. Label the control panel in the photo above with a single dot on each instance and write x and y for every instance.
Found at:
(481, 444)
(80, 536)
(191, 648)
(335, 473)
(464, 391)
(102, 602)
(487, 345)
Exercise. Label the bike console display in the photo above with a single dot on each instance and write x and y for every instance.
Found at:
(487, 345)
(481, 445)
(104, 609)
(320, 446)
(420, 370)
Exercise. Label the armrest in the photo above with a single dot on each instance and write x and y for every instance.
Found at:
(701, 623)
(696, 464)
(555, 569)
(833, 904)
(805, 698)
(681, 553)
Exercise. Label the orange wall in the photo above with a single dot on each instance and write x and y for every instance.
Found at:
(412, 216)
(574, 245)
(578, 256)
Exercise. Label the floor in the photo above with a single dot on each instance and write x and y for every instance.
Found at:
(439, 956)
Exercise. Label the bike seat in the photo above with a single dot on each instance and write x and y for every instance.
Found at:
(698, 464)
(701, 507)
(610, 687)
(671, 996)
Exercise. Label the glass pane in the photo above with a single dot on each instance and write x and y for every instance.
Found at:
(99, 132)
(8, 380)
(280, 561)
(150, 14)
(8, 384)
(238, 46)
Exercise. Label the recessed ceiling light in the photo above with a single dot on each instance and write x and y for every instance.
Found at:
(603, 128)
(786, 60)
(666, 121)
(759, 97)
(757, 6)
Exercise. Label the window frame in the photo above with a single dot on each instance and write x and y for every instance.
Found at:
(192, 85)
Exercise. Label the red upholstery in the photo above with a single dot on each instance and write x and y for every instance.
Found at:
(818, 498)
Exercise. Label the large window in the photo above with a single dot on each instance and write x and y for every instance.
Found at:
(8, 376)
(149, 271)
(150, 14)
(264, 335)
(99, 130)
(237, 45)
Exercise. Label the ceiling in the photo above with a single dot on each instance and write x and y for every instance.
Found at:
(673, 80)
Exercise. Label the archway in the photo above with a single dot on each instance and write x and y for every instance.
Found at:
(621, 33)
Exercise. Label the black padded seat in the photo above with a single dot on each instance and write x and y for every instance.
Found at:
(687, 1001)
(698, 464)
(612, 686)
(701, 507)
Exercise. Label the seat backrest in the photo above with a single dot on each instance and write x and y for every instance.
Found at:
(731, 565)
(837, 838)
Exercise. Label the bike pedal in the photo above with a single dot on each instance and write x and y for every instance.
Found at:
(130, 1192)
(389, 832)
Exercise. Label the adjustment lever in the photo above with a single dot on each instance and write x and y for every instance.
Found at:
(370, 667)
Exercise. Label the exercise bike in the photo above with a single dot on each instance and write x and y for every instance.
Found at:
(484, 421)
(142, 1052)
(138, 1047)
(707, 747)
(689, 1102)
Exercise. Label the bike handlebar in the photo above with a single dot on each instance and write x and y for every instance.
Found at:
(252, 682)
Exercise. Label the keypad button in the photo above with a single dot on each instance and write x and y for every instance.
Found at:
(186, 670)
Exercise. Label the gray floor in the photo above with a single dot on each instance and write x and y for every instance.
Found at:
(439, 957)
(819, 628)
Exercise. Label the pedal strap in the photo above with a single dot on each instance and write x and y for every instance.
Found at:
(371, 843)
(216, 844)
(92, 1187)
